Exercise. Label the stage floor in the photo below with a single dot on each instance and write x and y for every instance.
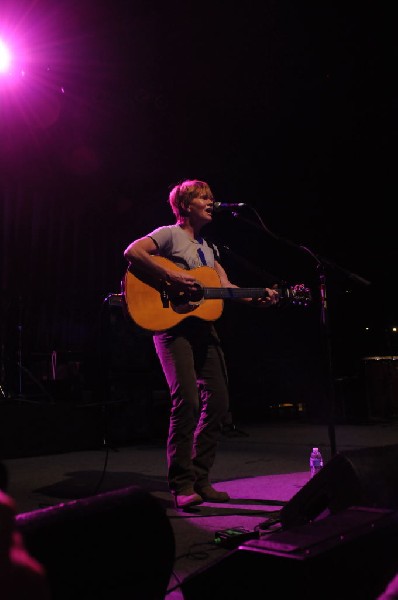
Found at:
(262, 466)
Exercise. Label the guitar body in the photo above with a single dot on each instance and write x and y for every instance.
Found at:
(149, 308)
(152, 306)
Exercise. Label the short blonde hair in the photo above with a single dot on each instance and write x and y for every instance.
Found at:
(182, 194)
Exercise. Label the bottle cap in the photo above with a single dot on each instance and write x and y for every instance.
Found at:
(315, 449)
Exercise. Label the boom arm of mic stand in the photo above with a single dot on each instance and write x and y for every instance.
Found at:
(318, 258)
(349, 274)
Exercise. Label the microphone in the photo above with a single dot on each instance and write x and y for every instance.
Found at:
(217, 206)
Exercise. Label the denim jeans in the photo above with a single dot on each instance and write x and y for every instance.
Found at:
(194, 366)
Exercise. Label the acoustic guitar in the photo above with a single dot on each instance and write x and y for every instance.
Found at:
(152, 306)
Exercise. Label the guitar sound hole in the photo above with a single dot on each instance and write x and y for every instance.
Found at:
(197, 294)
(185, 297)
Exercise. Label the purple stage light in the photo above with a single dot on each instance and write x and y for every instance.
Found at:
(5, 57)
(30, 96)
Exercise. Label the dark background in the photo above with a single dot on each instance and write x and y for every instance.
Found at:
(288, 107)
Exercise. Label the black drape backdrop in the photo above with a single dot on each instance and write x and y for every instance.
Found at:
(60, 260)
(290, 109)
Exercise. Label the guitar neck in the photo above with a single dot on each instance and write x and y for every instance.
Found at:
(225, 293)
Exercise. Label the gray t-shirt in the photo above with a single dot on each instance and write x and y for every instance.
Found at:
(175, 244)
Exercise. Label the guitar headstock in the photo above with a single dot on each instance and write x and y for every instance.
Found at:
(298, 294)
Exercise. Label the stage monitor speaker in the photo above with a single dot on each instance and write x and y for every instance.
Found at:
(348, 555)
(118, 544)
(366, 477)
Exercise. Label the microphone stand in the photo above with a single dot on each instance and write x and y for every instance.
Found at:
(321, 263)
(3, 391)
(19, 351)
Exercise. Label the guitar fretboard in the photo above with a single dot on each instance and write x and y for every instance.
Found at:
(215, 293)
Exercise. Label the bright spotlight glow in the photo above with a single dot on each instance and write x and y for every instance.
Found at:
(5, 58)
(54, 67)
(29, 92)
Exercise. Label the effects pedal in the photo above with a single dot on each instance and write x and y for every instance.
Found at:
(232, 537)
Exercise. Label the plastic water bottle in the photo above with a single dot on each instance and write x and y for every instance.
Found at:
(316, 461)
